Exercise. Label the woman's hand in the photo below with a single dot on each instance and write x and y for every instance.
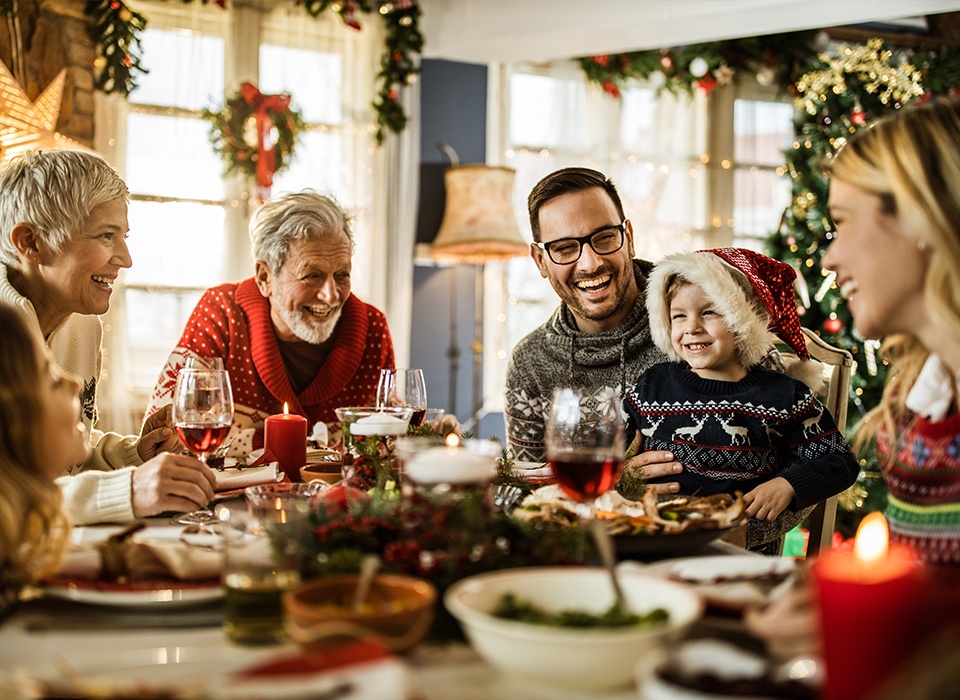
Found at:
(655, 464)
(171, 482)
(788, 626)
(158, 435)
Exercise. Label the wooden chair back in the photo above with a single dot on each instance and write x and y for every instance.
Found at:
(839, 364)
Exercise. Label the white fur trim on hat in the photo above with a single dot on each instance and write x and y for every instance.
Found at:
(717, 278)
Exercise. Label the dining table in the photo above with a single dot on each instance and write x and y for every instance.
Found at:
(54, 639)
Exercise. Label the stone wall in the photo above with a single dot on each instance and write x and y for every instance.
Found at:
(54, 35)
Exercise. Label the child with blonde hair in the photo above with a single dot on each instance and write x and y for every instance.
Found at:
(733, 424)
(40, 436)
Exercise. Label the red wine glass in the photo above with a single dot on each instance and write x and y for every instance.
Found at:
(202, 416)
(404, 388)
(584, 445)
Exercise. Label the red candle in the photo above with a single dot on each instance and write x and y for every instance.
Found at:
(871, 604)
(286, 435)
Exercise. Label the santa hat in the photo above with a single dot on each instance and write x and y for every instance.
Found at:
(754, 294)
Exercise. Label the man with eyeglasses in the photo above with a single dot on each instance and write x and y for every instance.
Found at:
(293, 333)
(599, 336)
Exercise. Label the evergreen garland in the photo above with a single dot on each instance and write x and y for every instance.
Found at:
(116, 30)
(777, 58)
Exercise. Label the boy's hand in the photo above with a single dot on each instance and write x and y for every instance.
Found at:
(768, 500)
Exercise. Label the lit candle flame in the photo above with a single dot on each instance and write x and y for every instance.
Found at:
(286, 409)
(452, 440)
(873, 539)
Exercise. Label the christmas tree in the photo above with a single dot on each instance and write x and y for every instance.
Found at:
(841, 94)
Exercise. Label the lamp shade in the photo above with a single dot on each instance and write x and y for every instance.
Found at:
(478, 221)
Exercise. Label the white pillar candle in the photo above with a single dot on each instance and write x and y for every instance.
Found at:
(450, 465)
(379, 424)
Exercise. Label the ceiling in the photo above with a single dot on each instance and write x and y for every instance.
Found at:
(488, 31)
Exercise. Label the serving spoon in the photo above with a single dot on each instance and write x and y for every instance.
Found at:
(601, 537)
(369, 565)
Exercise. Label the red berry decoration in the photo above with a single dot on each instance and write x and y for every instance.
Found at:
(833, 325)
(858, 117)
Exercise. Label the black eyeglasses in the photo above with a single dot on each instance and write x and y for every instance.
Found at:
(566, 251)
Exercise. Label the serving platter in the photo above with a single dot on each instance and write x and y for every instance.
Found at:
(666, 543)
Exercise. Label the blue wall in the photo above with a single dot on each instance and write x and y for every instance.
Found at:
(454, 112)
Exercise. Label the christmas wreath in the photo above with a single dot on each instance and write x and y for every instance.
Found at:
(255, 134)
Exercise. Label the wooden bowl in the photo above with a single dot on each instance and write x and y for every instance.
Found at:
(323, 471)
(398, 609)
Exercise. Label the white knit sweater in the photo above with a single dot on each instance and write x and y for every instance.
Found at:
(100, 489)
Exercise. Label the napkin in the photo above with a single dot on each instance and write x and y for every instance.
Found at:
(238, 477)
(359, 670)
(154, 552)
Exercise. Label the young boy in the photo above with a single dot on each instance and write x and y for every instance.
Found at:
(734, 425)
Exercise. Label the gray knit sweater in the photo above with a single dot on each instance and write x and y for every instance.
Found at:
(557, 354)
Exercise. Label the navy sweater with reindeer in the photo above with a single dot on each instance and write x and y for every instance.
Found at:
(733, 436)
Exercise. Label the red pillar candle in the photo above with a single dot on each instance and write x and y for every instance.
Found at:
(285, 434)
(871, 602)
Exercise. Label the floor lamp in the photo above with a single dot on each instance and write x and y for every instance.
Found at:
(478, 226)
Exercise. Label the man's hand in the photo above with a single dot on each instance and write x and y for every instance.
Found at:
(158, 435)
(769, 499)
(171, 482)
(655, 464)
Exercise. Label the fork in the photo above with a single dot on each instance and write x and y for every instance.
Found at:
(505, 496)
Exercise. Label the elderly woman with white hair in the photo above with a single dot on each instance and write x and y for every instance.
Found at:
(63, 229)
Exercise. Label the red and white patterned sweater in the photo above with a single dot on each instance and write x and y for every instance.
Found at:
(232, 321)
(921, 468)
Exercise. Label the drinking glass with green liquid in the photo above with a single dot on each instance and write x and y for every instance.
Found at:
(256, 572)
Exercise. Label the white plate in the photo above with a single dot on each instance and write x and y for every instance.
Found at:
(727, 582)
(168, 594)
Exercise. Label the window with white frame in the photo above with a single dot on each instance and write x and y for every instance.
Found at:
(652, 148)
(188, 223)
(691, 172)
(762, 132)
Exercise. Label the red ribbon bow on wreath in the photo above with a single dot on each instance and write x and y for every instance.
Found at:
(264, 104)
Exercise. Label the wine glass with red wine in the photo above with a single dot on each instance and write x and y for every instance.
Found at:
(404, 388)
(202, 416)
(584, 446)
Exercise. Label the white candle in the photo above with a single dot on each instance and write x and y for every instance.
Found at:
(379, 424)
(450, 465)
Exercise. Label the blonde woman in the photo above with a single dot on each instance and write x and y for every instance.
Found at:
(40, 436)
(895, 203)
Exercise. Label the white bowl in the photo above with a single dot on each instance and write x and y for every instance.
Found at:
(574, 659)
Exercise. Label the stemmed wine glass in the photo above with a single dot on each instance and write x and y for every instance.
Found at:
(202, 416)
(584, 448)
(404, 388)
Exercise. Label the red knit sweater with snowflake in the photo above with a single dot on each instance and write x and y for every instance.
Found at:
(232, 321)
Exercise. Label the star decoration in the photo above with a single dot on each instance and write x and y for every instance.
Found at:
(26, 125)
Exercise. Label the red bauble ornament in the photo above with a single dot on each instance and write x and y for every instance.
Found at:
(833, 325)
(858, 117)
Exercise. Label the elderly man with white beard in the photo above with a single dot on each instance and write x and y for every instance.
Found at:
(293, 333)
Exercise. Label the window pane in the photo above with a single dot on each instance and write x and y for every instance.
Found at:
(312, 77)
(637, 123)
(176, 244)
(762, 131)
(317, 164)
(172, 157)
(759, 198)
(536, 102)
(153, 324)
(185, 70)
